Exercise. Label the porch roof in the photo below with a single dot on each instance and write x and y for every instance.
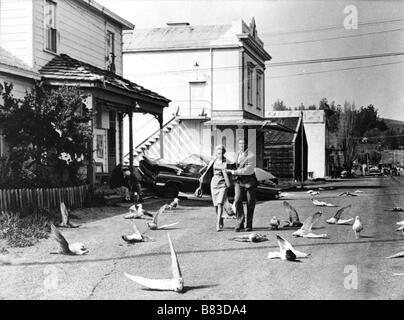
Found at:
(12, 64)
(64, 68)
(258, 124)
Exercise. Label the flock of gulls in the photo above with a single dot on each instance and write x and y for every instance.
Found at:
(286, 251)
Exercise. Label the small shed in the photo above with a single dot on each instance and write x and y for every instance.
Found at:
(285, 152)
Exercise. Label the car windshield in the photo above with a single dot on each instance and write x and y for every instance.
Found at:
(196, 160)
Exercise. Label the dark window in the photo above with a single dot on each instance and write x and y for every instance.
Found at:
(110, 58)
(50, 26)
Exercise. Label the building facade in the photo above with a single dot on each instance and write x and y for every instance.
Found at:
(214, 75)
(76, 43)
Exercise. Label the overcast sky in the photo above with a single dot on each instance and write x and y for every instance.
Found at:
(379, 85)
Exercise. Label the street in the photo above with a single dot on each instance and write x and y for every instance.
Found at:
(214, 267)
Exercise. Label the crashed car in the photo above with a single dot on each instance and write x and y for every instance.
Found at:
(168, 179)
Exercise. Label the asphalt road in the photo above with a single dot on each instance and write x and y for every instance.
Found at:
(215, 267)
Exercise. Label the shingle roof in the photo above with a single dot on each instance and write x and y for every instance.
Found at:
(273, 137)
(65, 68)
(10, 60)
(179, 37)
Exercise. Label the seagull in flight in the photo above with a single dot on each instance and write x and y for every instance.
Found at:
(305, 230)
(286, 251)
(174, 204)
(321, 203)
(153, 225)
(65, 218)
(357, 227)
(336, 219)
(293, 221)
(136, 236)
(176, 283)
(252, 237)
(65, 248)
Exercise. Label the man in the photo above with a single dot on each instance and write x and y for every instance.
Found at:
(245, 186)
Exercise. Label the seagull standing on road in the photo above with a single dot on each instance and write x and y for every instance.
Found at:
(305, 230)
(274, 223)
(175, 284)
(286, 251)
(137, 213)
(65, 248)
(174, 204)
(136, 236)
(65, 218)
(357, 227)
(336, 219)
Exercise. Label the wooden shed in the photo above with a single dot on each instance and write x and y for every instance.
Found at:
(283, 154)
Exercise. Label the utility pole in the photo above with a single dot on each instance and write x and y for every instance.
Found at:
(302, 149)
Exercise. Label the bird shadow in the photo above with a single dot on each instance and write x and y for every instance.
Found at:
(366, 237)
(203, 286)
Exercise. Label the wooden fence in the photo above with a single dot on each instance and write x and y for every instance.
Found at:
(19, 200)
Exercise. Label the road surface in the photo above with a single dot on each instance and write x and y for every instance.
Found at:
(215, 267)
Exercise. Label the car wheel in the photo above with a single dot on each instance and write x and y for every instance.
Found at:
(171, 190)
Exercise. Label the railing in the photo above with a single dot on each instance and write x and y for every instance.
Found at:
(19, 200)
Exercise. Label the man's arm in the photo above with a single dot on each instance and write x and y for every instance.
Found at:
(248, 168)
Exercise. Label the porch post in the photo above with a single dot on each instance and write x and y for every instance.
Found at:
(120, 138)
(161, 124)
(131, 139)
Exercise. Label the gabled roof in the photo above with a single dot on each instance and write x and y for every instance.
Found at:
(12, 64)
(273, 137)
(65, 68)
(179, 37)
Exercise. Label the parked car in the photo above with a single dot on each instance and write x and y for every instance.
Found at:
(375, 171)
(168, 179)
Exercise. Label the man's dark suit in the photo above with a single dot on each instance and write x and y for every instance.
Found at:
(245, 185)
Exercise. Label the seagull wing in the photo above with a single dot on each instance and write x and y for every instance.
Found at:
(293, 216)
(340, 212)
(161, 210)
(310, 221)
(397, 255)
(154, 284)
(283, 244)
(136, 230)
(64, 245)
(64, 213)
(168, 225)
(174, 261)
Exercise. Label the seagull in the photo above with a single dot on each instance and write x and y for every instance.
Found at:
(347, 194)
(284, 195)
(310, 191)
(274, 223)
(357, 227)
(321, 203)
(305, 230)
(65, 248)
(396, 209)
(401, 226)
(65, 218)
(174, 204)
(175, 284)
(286, 251)
(336, 219)
(252, 237)
(137, 213)
(397, 255)
(314, 193)
(136, 236)
(293, 221)
(153, 224)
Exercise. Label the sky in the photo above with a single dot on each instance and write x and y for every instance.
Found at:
(283, 26)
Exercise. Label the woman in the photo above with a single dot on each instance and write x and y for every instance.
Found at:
(219, 183)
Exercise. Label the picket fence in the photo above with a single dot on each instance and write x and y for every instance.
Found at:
(19, 200)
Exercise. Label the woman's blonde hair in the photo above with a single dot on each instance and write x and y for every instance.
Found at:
(220, 147)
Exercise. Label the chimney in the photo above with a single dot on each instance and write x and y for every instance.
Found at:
(178, 24)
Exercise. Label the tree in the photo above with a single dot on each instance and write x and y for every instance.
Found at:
(45, 129)
(279, 105)
(347, 128)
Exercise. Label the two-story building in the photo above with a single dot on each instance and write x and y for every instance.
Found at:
(76, 43)
(215, 76)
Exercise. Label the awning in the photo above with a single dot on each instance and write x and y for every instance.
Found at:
(257, 124)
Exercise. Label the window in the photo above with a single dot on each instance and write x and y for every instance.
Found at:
(110, 58)
(249, 84)
(259, 91)
(50, 26)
